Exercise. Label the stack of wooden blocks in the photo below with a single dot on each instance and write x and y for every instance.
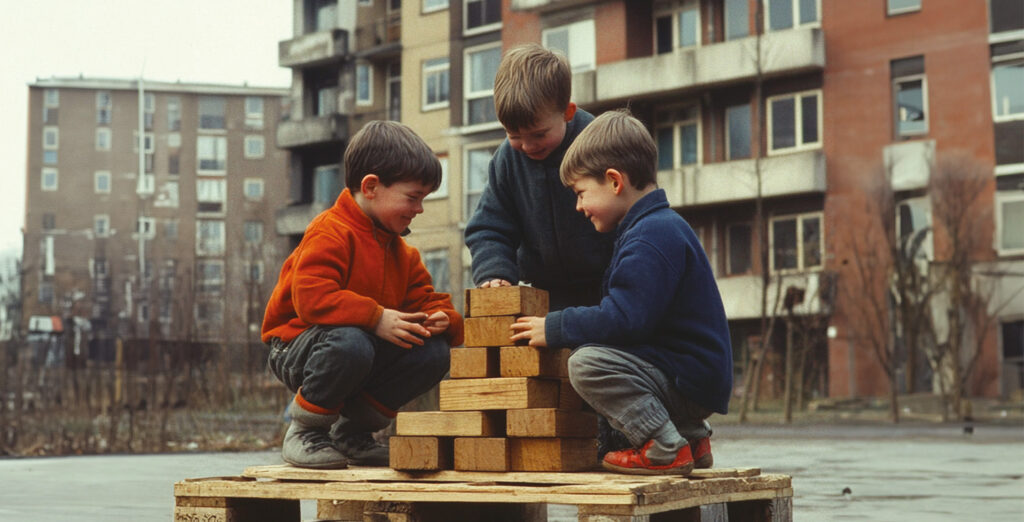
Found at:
(505, 408)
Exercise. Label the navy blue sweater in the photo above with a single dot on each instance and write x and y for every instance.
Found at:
(526, 227)
(661, 303)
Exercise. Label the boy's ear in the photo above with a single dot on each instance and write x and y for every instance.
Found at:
(368, 186)
(616, 179)
(570, 111)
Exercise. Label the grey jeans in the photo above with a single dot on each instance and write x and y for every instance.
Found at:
(636, 397)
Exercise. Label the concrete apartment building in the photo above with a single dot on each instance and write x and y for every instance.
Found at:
(184, 251)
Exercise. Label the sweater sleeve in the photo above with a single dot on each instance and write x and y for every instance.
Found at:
(421, 297)
(493, 233)
(317, 289)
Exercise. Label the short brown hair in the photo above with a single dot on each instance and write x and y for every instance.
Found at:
(614, 140)
(393, 152)
(530, 80)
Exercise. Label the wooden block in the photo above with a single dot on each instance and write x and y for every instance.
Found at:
(533, 361)
(568, 399)
(474, 363)
(553, 454)
(451, 423)
(488, 331)
(481, 454)
(498, 394)
(549, 422)
(506, 300)
(420, 453)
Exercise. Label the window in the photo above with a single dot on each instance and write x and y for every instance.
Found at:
(394, 91)
(738, 242)
(913, 218)
(174, 114)
(51, 104)
(210, 276)
(364, 84)
(253, 188)
(442, 190)
(325, 13)
(737, 132)
(49, 221)
(171, 229)
(326, 184)
(1007, 93)
(51, 142)
(101, 182)
(100, 268)
(787, 14)
(1010, 220)
(48, 183)
(173, 163)
(576, 42)
(101, 225)
(146, 184)
(436, 262)
(482, 15)
(678, 137)
(436, 81)
(253, 232)
(102, 138)
(481, 66)
(104, 108)
(794, 120)
(737, 19)
(146, 227)
(254, 147)
(430, 6)
(677, 27)
(796, 243)
(211, 112)
(902, 6)
(254, 271)
(174, 140)
(477, 160)
(49, 157)
(148, 142)
(209, 237)
(910, 99)
(1006, 16)
(149, 109)
(210, 195)
(212, 153)
(254, 112)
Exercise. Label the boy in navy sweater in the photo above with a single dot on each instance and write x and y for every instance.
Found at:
(654, 356)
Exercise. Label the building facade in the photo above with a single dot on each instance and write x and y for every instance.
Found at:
(157, 243)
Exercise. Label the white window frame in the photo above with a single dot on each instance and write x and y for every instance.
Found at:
(99, 267)
(44, 184)
(213, 285)
(796, 16)
(220, 150)
(673, 10)
(253, 141)
(51, 138)
(364, 69)
(467, 31)
(467, 191)
(249, 265)
(174, 140)
(254, 115)
(149, 144)
(220, 247)
(799, 218)
(253, 183)
(1015, 60)
(750, 132)
(922, 204)
(365, 3)
(146, 184)
(174, 114)
(896, 82)
(149, 109)
(675, 123)
(579, 33)
(215, 99)
(104, 105)
(245, 231)
(107, 134)
(1003, 198)
(798, 108)
(470, 95)
(890, 10)
(438, 5)
(442, 189)
(51, 98)
(438, 71)
(215, 193)
(444, 255)
(102, 175)
(146, 226)
(101, 225)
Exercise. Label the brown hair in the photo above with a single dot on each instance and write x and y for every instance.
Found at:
(393, 152)
(614, 140)
(530, 80)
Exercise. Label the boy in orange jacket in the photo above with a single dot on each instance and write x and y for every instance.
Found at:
(355, 327)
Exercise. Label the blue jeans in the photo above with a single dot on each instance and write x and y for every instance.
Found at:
(634, 396)
(338, 367)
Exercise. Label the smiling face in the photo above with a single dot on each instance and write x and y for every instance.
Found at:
(599, 199)
(539, 140)
(394, 207)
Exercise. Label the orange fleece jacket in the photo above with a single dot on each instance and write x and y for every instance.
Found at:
(345, 271)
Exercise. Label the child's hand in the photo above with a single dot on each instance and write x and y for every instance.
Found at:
(437, 323)
(494, 283)
(531, 329)
(402, 329)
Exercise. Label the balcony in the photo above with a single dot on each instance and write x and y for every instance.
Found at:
(311, 131)
(546, 5)
(293, 220)
(782, 53)
(380, 39)
(908, 164)
(731, 181)
(313, 49)
(741, 295)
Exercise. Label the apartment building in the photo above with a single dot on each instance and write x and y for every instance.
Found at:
(150, 206)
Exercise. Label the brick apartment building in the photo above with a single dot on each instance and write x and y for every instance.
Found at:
(186, 250)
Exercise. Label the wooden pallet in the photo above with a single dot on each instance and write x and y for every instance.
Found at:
(272, 493)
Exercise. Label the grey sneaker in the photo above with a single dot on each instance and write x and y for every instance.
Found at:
(307, 442)
(361, 449)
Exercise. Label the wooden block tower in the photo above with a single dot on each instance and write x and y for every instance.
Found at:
(505, 408)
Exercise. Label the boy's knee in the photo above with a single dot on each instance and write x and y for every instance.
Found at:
(352, 344)
(436, 356)
(582, 365)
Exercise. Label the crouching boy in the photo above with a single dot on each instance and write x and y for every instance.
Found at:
(354, 325)
(654, 357)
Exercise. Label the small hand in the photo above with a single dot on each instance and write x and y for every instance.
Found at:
(437, 323)
(494, 283)
(400, 328)
(531, 329)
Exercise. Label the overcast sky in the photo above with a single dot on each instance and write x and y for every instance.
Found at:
(211, 41)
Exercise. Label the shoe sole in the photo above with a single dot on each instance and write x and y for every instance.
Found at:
(680, 470)
(326, 465)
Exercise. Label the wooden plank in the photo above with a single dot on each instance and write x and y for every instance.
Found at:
(498, 394)
(533, 361)
(550, 422)
(340, 510)
(568, 399)
(481, 454)
(553, 454)
(474, 363)
(506, 300)
(488, 331)
(420, 453)
(214, 509)
(451, 423)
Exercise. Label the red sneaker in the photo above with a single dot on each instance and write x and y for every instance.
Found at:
(701, 450)
(634, 461)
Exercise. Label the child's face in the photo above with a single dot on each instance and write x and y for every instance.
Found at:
(599, 200)
(394, 207)
(539, 140)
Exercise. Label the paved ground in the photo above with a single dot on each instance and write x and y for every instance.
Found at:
(902, 473)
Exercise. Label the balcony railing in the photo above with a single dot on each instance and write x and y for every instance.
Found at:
(292, 220)
(313, 49)
(741, 295)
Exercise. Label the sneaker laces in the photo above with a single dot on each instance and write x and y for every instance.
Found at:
(315, 440)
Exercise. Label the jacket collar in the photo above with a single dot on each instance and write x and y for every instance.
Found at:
(347, 208)
(649, 203)
(572, 129)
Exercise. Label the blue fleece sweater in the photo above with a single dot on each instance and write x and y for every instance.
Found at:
(661, 303)
(526, 227)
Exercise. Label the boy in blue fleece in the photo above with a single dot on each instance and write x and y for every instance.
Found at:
(654, 356)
